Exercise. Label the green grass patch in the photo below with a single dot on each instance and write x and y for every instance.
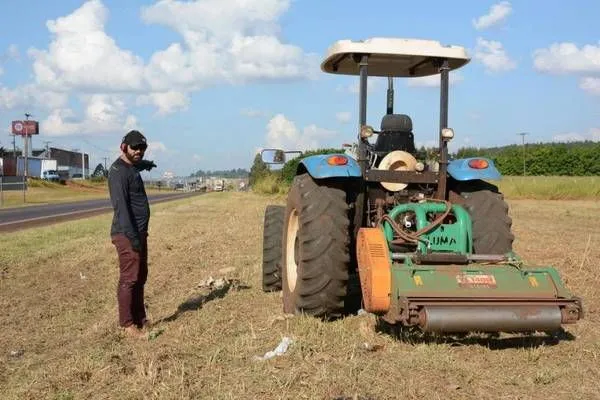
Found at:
(550, 187)
(271, 184)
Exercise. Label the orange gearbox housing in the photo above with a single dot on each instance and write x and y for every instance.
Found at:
(374, 269)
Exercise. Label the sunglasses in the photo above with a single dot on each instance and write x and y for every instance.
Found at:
(141, 147)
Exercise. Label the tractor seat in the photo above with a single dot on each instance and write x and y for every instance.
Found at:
(396, 134)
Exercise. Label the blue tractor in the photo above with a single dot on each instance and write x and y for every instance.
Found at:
(422, 242)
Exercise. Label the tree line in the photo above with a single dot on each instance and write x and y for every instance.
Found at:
(556, 159)
(541, 159)
(231, 174)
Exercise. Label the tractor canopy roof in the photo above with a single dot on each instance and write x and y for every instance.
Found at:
(392, 57)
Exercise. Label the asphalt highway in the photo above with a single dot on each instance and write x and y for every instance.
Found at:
(12, 219)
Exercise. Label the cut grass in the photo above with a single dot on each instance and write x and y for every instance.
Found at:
(58, 305)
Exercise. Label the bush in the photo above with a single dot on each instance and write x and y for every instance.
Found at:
(271, 184)
(288, 172)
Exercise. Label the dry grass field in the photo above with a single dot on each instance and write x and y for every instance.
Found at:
(59, 338)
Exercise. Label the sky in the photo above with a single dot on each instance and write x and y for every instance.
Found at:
(211, 82)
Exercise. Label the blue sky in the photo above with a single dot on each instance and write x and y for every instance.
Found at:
(212, 81)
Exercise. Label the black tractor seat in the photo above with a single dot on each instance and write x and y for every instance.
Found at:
(396, 134)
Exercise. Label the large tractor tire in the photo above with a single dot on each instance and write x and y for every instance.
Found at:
(272, 248)
(316, 256)
(489, 215)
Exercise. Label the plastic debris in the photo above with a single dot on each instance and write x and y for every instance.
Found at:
(17, 353)
(280, 350)
(370, 347)
(213, 283)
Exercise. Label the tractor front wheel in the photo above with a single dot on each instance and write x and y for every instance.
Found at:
(316, 255)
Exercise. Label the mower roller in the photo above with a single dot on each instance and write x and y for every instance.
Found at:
(427, 239)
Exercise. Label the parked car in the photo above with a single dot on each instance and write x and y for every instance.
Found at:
(50, 175)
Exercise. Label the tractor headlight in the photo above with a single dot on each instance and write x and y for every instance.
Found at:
(447, 134)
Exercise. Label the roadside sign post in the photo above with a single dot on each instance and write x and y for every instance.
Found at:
(25, 128)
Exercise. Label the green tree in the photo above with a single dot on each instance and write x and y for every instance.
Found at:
(99, 172)
(258, 170)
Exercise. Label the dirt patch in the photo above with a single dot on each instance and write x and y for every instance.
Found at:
(58, 313)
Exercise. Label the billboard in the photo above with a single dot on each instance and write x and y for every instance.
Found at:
(23, 128)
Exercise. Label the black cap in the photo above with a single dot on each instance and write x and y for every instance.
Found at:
(134, 138)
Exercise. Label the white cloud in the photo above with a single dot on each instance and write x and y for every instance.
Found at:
(433, 80)
(166, 102)
(222, 42)
(31, 96)
(590, 85)
(283, 133)
(593, 134)
(197, 157)
(82, 56)
(498, 13)
(493, 56)
(567, 58)
(103, 114)
(343, 117)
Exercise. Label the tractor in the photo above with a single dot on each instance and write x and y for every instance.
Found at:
(422, 243)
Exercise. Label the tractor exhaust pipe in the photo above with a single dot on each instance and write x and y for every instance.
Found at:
(489, 319)
(390, 96)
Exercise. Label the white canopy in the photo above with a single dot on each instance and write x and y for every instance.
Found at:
(392, 57)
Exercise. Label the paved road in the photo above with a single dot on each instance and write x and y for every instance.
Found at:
(12, 219)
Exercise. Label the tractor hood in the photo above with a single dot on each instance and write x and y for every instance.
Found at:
(393, 57)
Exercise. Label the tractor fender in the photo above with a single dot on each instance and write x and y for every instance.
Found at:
(461, 171)
(317, 167)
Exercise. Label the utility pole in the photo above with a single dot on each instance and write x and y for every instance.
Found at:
(82, 163)
(105, 160)
(15, 148)
(47, 142)
(523, 134)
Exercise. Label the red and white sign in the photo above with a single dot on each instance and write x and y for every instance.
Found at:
(27, 127)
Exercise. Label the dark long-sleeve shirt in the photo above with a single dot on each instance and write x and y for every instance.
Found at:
(129, 200)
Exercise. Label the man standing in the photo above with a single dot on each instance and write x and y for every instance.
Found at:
(129, 230)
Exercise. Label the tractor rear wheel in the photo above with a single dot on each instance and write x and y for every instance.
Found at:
(489, 214)
(272, 249)
(316, 256)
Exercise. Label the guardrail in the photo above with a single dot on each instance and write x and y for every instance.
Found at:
(11, 183)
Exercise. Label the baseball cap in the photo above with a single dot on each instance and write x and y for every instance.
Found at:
(134, 138)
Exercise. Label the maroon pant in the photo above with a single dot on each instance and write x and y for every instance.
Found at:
(133, 272)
